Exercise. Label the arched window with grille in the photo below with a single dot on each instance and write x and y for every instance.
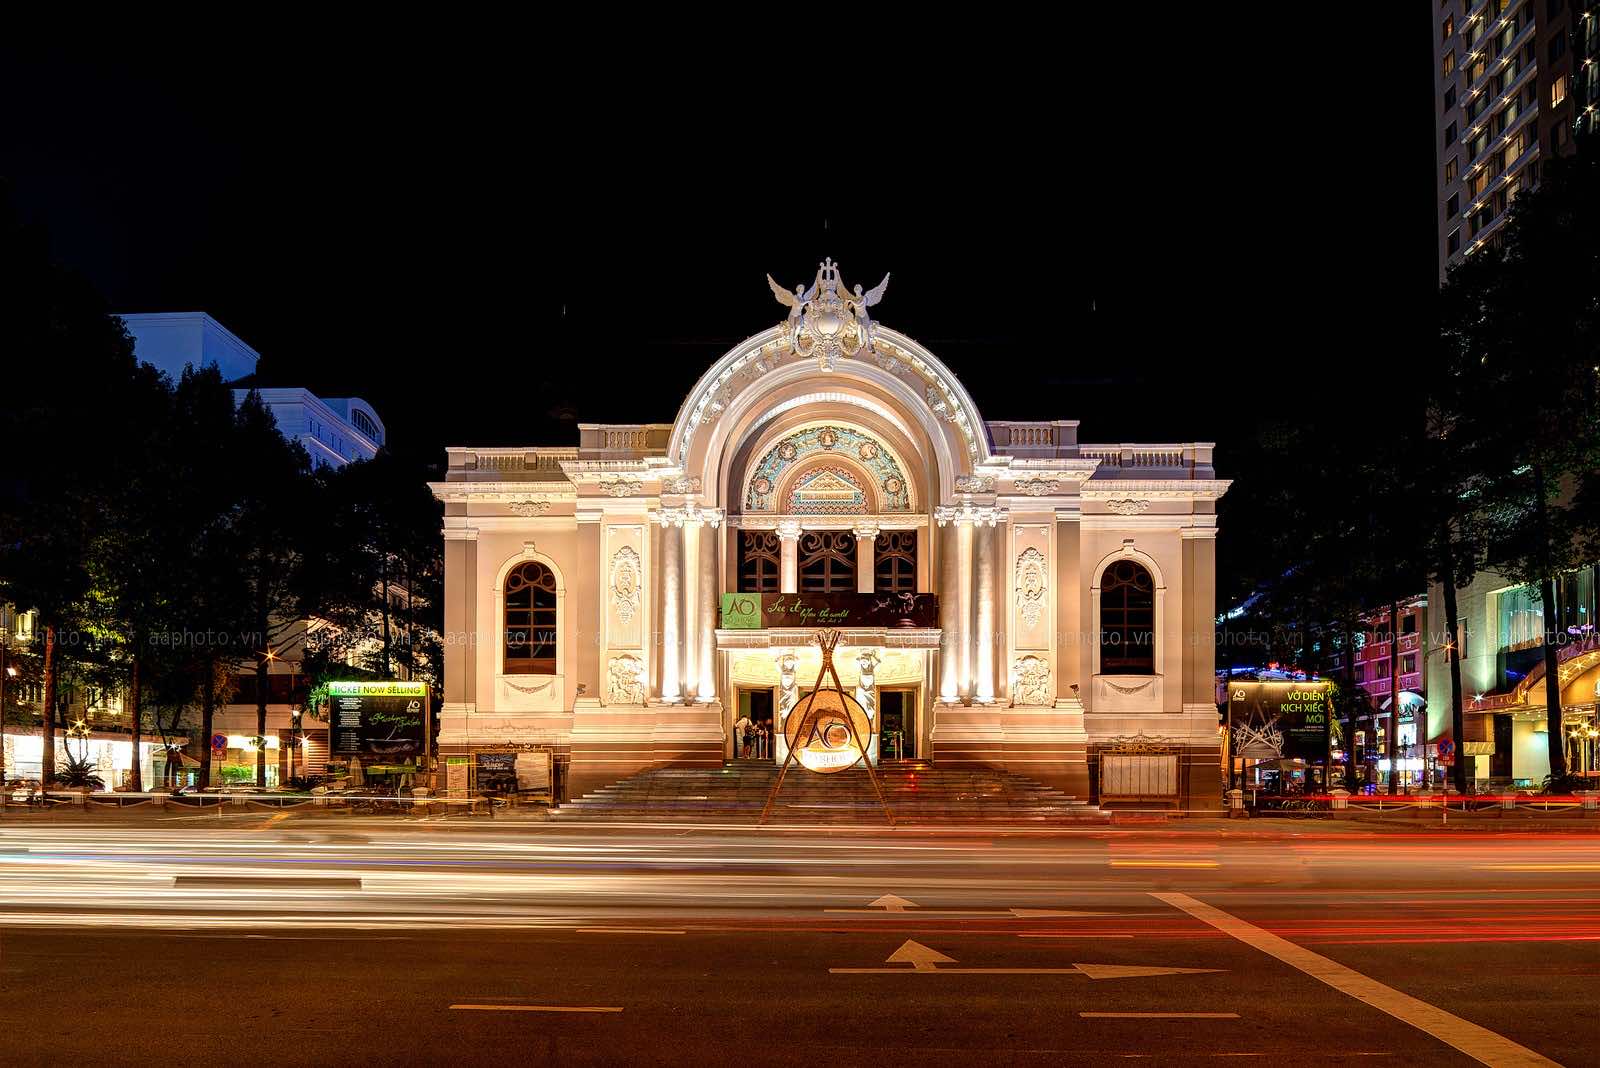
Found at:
(1127, 620)
(827, 561)
(895, 566)
(530, 620)
(760, 561)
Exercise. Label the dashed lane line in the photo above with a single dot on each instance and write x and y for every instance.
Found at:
(1165, 864)
(1477, 1042)
(540, 1008)
(1159, 1015)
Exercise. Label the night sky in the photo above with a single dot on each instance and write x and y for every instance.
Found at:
(489, 249)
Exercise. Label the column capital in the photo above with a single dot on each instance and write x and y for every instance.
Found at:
(690, 514)
(788, 529)
(865, 531)
(968, 513)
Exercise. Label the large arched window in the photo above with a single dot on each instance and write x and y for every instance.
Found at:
(760, 557)
(530, 620)
(895, 568)
(827, 561)
(1127, 620)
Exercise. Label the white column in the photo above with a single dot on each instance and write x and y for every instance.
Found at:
(866, 538)
(964, 607)
(671, 604)
(984, 594)
(693, 531)
(789, 557)
(707, 594)
(949, 607)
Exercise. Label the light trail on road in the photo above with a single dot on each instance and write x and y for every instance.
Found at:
(531, 923)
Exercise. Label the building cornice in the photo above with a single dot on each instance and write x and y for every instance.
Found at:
(1180, 521)
(499, 492)
(1178, 489)
(889, 521)
(786, 637)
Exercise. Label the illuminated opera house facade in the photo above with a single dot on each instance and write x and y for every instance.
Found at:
(1008, 596)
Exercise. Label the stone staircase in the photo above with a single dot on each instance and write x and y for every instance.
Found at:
(916, 791)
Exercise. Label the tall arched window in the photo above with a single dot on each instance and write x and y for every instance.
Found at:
(1127, 620)
(760, 557)
(827, 561)
(895, 568)
(530, 620)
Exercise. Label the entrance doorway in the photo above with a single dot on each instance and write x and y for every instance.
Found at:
(756, 706)
(897, 724)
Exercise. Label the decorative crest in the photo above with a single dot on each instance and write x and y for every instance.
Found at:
(828, 320)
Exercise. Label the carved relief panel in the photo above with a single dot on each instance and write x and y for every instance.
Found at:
(624, 587)
(1032, 603)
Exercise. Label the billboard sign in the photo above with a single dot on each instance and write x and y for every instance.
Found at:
(1280, 720)
(379, 719)
(758, 611)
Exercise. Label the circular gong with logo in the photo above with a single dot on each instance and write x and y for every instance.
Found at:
(819, 731)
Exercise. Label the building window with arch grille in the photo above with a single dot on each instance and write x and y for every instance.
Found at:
(1127, 620)
(827, 561)
(760, 561)
(530, 620)
(895, 566)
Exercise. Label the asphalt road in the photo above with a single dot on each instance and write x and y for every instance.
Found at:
(275, 941)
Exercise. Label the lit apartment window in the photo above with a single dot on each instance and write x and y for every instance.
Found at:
(1449, 170)
(1447, 28)
(1558, 91)
(1448, 67)
(1476, 184)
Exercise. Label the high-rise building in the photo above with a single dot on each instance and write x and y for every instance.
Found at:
(1506, 97)
(1585, 35)
(333, 431)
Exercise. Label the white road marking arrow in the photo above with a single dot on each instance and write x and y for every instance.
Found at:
(1134, 971)
(924, 960)
(899, 906)
(1042, 914)
(919, 956)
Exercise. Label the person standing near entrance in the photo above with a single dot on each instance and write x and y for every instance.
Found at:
(741, 735)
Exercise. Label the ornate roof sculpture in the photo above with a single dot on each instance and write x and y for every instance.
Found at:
(828, 320)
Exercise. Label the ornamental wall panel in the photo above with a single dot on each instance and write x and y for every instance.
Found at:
(1031, 597)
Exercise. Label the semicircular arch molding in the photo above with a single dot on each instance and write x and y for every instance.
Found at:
(909, 382)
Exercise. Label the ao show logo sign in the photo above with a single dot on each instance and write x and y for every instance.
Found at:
(1280, 720)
